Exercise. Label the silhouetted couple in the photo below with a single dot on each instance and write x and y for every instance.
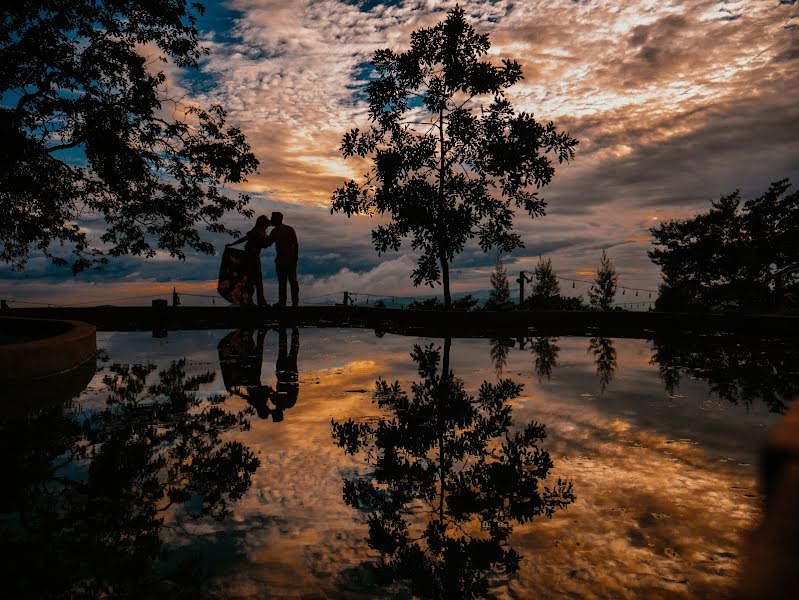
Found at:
(284, 239)
(240, 360)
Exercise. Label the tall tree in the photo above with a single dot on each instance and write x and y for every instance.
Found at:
(91, 135)
(730, 252)
(500, 286)
(450, 157)
(546, 286)
(603, 290)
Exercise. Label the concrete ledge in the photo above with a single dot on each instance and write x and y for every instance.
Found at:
(33, 349)
(23, 397)
(429, 323)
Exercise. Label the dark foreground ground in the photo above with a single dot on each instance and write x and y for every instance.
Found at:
(431, 323)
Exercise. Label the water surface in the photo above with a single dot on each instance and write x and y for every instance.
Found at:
(205, 463)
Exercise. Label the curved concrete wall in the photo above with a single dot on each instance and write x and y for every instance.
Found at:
(36, 348)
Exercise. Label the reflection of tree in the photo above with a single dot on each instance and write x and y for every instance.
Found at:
(739, 371)
(92, 490)
(546, 356)
(449, 480)
(604, 359)
(499, 350)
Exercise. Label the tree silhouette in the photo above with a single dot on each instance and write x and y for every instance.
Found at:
(90, 135)
(545, 287)
(604, 359)
(546, 291)
(450, 156)
(449, 480)
(545, 352)
(731, 253)
(500, 286)
(92, 489)
(603, 290)
(499, 348)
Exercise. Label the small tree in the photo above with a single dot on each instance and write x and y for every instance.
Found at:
(450, 156)
(90, 135)
(500, 286)
(603, 290)
(546, 286)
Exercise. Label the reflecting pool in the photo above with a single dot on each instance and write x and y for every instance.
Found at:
(337, 463)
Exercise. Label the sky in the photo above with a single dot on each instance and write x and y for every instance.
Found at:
(674, 104)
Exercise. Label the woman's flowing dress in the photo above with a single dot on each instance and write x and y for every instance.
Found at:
(237, 275)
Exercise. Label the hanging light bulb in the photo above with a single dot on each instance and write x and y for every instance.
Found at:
(573, 285)
(622, 291)
(636, 293)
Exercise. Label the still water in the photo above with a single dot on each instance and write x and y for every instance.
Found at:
(269, 465)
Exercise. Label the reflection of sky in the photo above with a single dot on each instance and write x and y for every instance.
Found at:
(665, 485)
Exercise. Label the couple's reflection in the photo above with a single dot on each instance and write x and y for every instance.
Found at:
(241, 359)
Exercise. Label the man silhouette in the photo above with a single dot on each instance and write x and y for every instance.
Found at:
(287, 253)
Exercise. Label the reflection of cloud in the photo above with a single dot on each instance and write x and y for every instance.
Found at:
(663, 487)
(684, 542)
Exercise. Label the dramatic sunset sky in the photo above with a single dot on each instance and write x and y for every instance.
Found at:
(674, 104)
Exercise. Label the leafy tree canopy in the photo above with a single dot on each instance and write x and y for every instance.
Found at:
(450, 156)
(91, 135)
(731, 252)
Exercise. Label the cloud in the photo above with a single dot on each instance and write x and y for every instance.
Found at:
(673, 104)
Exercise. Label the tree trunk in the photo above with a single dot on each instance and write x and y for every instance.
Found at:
(445, 281)
(442, 238)
(442, 408)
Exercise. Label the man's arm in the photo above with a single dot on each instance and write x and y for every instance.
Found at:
(296, 245)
